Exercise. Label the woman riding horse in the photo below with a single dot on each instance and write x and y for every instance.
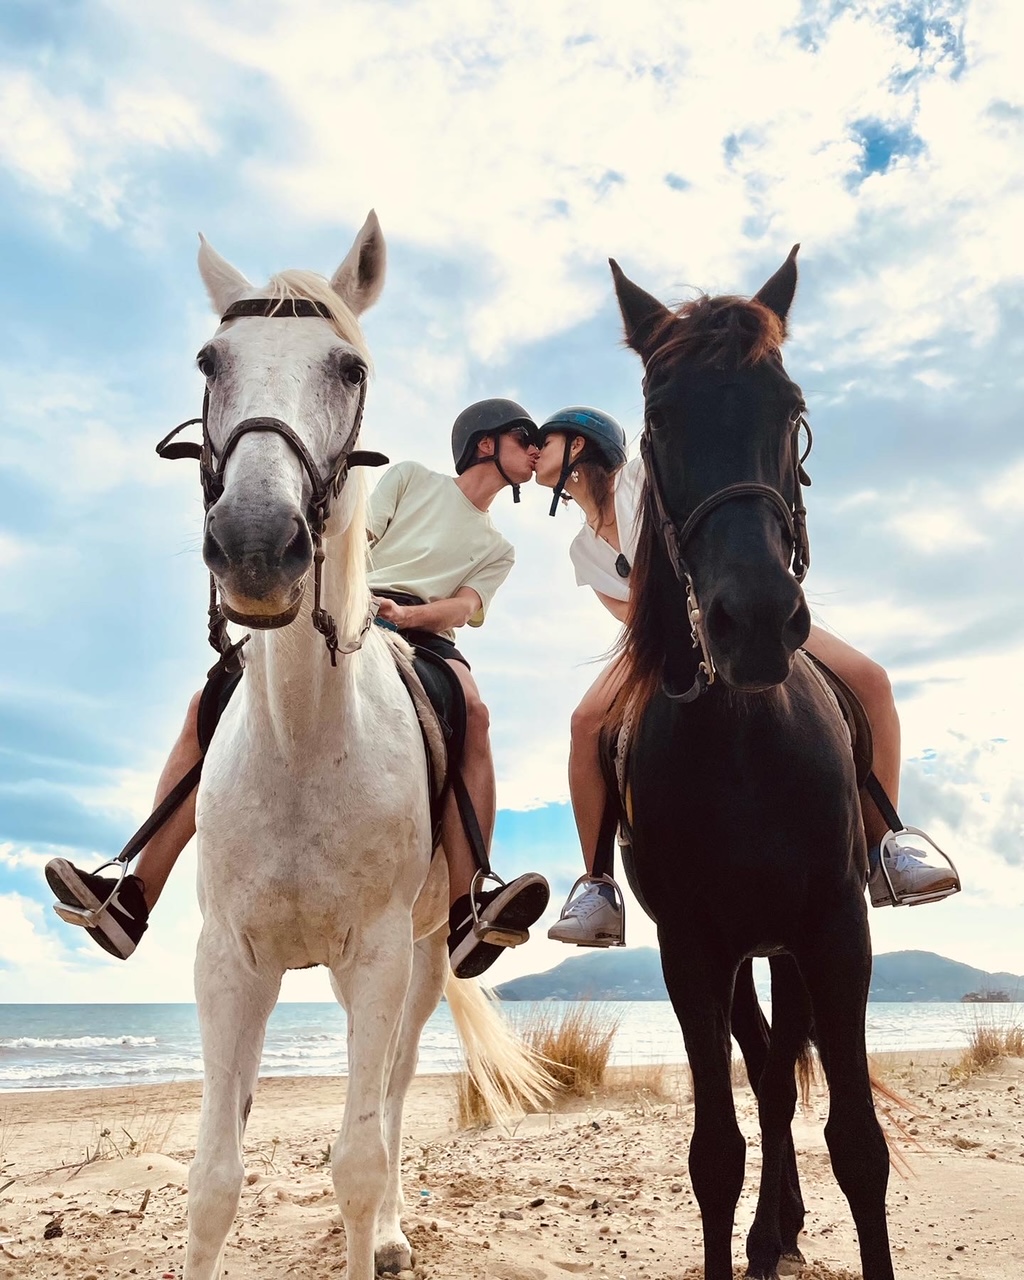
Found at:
(583, 459)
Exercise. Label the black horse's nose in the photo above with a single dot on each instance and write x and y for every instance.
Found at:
(729, 621)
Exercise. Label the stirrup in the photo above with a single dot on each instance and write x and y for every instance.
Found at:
(485, 930)
(620, 902)
(90, 917)
(889, 844)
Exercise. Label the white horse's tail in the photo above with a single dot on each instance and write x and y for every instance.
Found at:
(507, 1074)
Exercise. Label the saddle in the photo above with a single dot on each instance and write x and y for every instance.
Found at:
(440, 706)
(615, 744)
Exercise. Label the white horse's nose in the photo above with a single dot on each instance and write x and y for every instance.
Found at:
(260, 558)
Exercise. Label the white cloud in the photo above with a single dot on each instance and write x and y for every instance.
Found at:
(532, 143)
(1007, 492)
(67, 146)
(12, 550)
(21, 941)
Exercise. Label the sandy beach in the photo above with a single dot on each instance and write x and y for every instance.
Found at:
(596, 1188)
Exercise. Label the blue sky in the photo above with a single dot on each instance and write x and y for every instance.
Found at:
(509, 151)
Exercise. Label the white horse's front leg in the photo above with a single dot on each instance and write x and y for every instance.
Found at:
(392, 1251)
(234, 1001)
(373, 985)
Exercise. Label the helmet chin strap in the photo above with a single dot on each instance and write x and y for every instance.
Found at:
(566, 468)
(496, 459)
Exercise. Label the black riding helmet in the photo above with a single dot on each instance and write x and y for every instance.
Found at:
(598, 428)
(487, 418)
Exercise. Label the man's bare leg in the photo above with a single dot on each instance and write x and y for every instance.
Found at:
(478, 775)
(507, 911)
(161, 853)
(113, 910)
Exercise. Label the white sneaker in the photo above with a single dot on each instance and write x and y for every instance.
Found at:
(913, 880)
(590, 920)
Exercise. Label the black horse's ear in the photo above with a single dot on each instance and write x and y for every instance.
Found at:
(777, 293)
(642, 314)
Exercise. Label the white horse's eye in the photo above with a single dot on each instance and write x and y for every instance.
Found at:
(206, 362)
(354, 374)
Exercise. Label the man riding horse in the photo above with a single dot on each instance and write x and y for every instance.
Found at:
(436, 562)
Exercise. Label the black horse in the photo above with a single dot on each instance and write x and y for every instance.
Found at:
(747, 835)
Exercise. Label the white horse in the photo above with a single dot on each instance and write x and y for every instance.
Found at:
(312, 814)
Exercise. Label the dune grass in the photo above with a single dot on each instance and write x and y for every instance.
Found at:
(574, 1044)
(988, 1042)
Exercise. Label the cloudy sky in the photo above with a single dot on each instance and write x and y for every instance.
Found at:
(509, 150)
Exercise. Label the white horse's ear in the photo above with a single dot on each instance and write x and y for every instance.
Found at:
(224, 283)
(360, 278)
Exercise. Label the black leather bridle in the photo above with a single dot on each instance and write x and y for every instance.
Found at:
(325, 488)
(674, 537)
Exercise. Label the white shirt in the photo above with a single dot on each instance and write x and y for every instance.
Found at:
(593, 558)
(428, 539)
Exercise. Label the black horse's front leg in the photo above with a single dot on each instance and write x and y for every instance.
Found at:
(701, 994)
(840, 960)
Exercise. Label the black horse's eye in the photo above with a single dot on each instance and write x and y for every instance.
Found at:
(655, 419)
(207, 362)
(354, 373)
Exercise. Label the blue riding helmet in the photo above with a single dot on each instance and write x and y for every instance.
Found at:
(596, 427)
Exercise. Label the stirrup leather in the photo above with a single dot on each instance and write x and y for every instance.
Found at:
(90, 917)
(890, 845)
(486, 931)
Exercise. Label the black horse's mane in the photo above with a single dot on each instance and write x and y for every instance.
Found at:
(721, 330)
(724, 329)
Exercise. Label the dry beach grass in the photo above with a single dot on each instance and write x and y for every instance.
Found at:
(596, 1187)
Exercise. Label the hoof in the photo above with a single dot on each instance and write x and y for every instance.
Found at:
(390, 1259)
(791, 1264)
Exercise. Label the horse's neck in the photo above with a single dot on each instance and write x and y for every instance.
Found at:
(294, 690)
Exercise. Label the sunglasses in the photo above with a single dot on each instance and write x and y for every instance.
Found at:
(525, 437)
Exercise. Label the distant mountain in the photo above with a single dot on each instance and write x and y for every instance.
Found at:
(635, 974)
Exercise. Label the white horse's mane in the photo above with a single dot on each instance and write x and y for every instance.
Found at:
(294, 283)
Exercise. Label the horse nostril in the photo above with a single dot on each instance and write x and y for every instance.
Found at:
(798, 625)
(720, 625)
(214, 555)
(298, 554)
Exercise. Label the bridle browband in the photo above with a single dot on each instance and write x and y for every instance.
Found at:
(324, 488)
(792, 516)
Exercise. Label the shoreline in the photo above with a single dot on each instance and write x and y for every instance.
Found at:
(927, 1055)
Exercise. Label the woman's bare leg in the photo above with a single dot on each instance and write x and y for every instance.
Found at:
(871, 685)
(586, 780)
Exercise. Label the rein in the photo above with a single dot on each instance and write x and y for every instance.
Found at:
(792, 516)
(325, 488)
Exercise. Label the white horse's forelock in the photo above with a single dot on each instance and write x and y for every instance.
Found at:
(349, 559)
(289, 285)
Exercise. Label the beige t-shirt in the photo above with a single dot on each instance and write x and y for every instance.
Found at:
(428, 539)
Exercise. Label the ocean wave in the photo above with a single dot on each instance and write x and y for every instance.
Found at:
(78, 1042)
(96, 1073)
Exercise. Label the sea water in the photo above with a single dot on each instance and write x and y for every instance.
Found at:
(68, 1046)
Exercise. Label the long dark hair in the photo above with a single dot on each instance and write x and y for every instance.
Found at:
(594, 467)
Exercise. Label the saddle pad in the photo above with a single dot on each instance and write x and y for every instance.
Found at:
(436, 696)
(440, 706)
(847, 706)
